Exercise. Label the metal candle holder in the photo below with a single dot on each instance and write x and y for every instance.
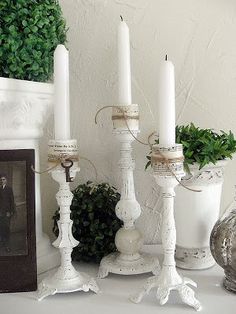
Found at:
(167, 164)
(128, 260)
(63, 161)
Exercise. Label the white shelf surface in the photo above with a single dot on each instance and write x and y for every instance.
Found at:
(115, 291)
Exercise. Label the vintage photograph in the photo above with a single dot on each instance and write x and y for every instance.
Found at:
(13, 210)
(18, 269)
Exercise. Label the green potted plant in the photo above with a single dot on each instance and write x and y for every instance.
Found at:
(94, 221)
(206, 153)
(30, 31)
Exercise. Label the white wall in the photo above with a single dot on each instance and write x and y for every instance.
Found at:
(199, 37)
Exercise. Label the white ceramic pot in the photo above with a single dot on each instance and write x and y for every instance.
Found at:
(24, 109)
(196, 214)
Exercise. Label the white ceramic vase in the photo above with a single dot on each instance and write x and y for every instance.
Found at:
(196, 214)
(24, 109)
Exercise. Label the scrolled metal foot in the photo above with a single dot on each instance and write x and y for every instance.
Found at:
(163, 295)
(92, 285)
(187, 295)
(102, 272)
(44, 291)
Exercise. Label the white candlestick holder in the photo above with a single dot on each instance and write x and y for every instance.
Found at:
(128, 260)
(66, 279)
(167, 164)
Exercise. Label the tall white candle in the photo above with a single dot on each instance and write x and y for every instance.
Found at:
(124, 72)
(61, 84)
(166, 104)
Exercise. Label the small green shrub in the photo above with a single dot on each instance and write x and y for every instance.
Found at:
(203, 146)
(94, 221)
(30, 30)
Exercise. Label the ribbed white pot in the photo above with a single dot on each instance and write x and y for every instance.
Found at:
(196, 214)
(24, 109)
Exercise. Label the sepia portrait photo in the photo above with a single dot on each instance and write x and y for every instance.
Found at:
(18, 268)
(13, 209)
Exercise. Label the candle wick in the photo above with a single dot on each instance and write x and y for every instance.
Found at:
(166, 58)
(121, 17)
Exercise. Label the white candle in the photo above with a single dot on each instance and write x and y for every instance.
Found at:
(166, 104)
(61, 85)
(124, 72)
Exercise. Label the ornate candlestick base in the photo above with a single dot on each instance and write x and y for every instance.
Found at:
(167, 164)
(66, 279)
(169, 280)
(115, 263)
(64, 283)
(128, 240)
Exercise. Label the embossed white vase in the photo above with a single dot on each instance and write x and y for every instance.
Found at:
(24, 109)
(196, 214)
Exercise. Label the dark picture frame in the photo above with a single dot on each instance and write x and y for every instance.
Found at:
(18, 268)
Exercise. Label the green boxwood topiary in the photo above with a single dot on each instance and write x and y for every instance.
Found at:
(94, 221)
(30, 30)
